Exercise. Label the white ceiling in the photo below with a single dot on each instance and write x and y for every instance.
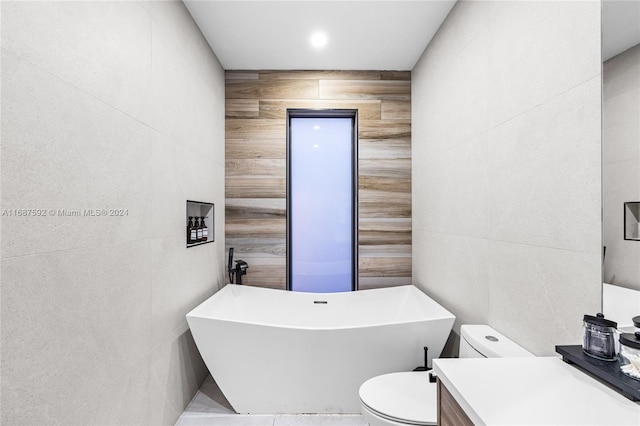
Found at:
(620, 26)
(362, 35)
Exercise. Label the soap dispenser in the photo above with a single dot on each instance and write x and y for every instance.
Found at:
(191, 232)
(198, 229)
(205, 229)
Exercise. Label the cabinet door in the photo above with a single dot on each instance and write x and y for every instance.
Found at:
(449, 411)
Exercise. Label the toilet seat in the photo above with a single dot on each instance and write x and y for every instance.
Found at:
(401, 398)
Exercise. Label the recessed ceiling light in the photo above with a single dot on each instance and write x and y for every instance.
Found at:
(318, 40)
(316, 127)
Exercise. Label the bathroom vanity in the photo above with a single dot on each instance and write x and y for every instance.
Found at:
(542, 391)
(450, 413)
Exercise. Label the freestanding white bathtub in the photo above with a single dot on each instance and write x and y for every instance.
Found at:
(276, 351)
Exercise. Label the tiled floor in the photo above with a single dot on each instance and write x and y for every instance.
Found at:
(210, 407)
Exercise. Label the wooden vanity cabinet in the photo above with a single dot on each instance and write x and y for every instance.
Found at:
(449, 411)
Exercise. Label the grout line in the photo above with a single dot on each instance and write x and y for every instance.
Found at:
(109, 105)
(618, 162)
(505, 241)
(76, 248)
(102, 101)
(115, 243)
(543, 102)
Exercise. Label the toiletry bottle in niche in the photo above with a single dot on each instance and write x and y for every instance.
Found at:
(192, 234)
(205, 229)
(199, 228)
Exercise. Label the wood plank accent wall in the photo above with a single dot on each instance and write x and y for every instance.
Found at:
(256, 104)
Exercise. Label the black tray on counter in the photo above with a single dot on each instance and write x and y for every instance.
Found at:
(607, 371)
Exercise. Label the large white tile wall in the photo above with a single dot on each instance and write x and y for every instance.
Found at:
(105, 105)
(506, 168)
(621, 164)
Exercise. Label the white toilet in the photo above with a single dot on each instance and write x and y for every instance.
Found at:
(408, 398)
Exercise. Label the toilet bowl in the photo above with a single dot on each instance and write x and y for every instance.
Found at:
(408, 398)
(399, 399)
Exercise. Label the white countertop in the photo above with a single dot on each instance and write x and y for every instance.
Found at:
(532, 391)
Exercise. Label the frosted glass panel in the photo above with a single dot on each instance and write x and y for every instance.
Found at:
(321, 204)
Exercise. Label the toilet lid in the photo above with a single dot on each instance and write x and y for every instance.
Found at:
(402, 397)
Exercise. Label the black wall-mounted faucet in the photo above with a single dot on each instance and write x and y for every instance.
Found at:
(239, 270)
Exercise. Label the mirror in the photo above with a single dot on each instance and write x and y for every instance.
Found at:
(620, 140)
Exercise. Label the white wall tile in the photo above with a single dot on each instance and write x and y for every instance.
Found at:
(179, 173)
(111, 401)
(620, 185)
(621, 267)
(621, 170)
(539, 50)
(538, 295)
(452, 97)
(621, 126)
(177, 372)
(184, 104)
(454, 272)
(63, 149)
(175, 269)
(621, 73)
(544, 173)
(452, 37)
(93, 325)
(452, 195)
(72, 319)
(102, 48)
(175, 22)
(530, 72)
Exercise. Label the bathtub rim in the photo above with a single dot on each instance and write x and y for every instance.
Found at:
(443, 315)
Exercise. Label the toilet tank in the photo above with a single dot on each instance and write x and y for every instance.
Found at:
(482, 341)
